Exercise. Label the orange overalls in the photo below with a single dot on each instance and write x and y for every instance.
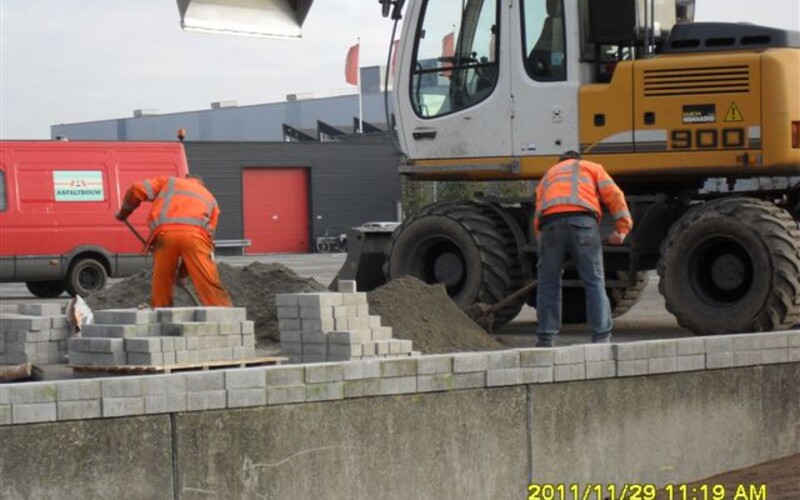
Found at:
(182, 222)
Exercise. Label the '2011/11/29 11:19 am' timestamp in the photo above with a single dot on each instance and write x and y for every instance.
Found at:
(701, 491)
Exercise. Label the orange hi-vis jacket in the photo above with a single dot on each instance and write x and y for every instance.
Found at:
(176, 201)
(580, 186)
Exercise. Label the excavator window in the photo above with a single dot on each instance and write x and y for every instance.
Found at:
(543, 40)
(456, 61)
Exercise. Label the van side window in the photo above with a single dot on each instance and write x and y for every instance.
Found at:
(543, 42)
(3, 202)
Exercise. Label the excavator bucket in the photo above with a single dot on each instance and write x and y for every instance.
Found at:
(258, 18)
(366, 254)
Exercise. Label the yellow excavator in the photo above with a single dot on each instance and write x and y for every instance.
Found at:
(699, 123)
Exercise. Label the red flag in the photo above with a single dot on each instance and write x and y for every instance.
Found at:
(351, 65)
(395, 46)
(448, 50)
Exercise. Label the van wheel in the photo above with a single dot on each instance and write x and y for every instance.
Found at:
(85, 277)
(45, 289)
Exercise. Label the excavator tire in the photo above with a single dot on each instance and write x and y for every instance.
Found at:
(462, 245)
(732, 266)
(622, 299)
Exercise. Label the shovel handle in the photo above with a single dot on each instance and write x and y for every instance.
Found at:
(134, 231)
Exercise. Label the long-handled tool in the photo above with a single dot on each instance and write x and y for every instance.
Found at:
(483, 314)
(183, 287)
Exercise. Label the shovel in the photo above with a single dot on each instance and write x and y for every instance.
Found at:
(483, 314)
(180, 285)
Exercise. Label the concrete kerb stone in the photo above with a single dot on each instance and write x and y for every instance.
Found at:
(235, 388)
(79, 409)
(502, 360)
(470, 362)
(33, 392)
(165, 393)
(361, 369)
(434, 364)
(42, 309)
(284, 375)
(390, 368)
(206, 400)
(286, 394)
(570, 355)
(245, 378)
(77, 390)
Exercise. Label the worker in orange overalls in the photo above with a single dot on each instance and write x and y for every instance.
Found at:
(182, 222)
(567, 219)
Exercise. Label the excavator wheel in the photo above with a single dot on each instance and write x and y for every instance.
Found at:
(732, 266)
(464, 246)
(573, 302)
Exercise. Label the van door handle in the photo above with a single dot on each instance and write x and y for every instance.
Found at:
(424, 133)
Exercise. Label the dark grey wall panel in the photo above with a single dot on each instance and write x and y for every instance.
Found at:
(350, 182)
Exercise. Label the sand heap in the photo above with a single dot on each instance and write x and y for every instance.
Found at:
(253, 286)
(425, 315)
(416, 311)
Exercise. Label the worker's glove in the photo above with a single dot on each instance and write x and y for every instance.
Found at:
(122, 215)
(616, 238)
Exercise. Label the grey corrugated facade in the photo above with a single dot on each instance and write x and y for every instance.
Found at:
(256, 122)
(349, 182)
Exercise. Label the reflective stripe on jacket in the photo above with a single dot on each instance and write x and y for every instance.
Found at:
(175, 201)
(580, 186)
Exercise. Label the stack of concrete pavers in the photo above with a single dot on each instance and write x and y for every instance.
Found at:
(164, 336)
(35, 333)
(316, 327)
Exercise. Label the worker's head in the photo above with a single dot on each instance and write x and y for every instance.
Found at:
(196, 178)
(570, 155)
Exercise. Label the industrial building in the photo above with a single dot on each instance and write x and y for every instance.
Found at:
(284, 173)
(301, 117)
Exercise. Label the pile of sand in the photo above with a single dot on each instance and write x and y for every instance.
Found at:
(253, 286)
(425, 315)
(416, 311)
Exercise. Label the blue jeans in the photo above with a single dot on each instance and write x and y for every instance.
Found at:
(580, 235)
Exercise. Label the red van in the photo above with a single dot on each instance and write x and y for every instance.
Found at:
(57, 204)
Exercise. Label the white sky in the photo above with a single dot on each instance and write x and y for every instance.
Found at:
(66, 61)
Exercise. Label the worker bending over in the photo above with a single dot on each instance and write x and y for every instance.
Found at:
(182, 222)
(567, 219)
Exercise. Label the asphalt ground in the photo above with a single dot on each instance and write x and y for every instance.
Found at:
(647, 320)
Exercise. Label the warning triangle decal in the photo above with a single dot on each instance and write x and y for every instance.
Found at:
(734, 114)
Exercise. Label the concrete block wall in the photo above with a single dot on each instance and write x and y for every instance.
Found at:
(278, 385)
(543, 416)
(33, 333)
(317, 327)
(165, 336)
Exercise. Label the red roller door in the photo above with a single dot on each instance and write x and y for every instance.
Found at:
(275, 210)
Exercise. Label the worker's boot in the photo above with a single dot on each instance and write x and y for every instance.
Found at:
(545, 343)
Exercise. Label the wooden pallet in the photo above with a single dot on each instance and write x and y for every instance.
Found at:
(95, 370)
